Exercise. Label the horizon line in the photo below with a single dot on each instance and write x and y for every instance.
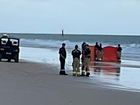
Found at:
(71, 33)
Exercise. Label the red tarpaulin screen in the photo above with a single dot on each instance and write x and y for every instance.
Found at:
(110, 54)
(92, 52)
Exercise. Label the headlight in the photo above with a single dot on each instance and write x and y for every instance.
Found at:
(1, 48)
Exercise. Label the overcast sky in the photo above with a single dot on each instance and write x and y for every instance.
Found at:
(74, 16)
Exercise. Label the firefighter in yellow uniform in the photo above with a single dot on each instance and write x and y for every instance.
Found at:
(86, 61)
(76, 61)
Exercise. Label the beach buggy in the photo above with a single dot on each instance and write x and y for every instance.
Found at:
(9, 48)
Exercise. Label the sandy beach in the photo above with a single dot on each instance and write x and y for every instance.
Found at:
(28, 83)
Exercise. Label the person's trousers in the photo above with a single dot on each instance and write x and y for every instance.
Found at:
(118, 54)
(86, 65)
(62, 64)
(96, 54)
(101, 55)
(76, 64)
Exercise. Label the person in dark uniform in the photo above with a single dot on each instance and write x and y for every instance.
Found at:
(100, 52)
(83, 45)
(86, 61)
(119, 49)
(83, 51)
(96, 49)
(76, 61)
(62, 57)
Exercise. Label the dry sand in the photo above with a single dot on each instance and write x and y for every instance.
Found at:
(28, 83)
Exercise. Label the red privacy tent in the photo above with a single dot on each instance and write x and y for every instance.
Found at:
(110, 54)
(92, 48)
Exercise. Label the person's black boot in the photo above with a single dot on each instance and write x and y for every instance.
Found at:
(87, 74)
(74, 74)
(78, 75)
(83, 74)
(62, 73)
(65, 73)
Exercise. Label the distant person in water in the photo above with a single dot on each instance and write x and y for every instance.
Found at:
(62, 54)
(119, 50)
(96, 50)
(100, 52)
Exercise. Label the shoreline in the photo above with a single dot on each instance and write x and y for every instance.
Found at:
(33, 83)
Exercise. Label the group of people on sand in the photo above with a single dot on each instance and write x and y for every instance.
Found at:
(76, 53)
(85, 59)
(99, 52)
(100, 49)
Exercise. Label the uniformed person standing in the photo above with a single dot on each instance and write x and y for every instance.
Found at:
(100, 52)
(119, 49)
(62, 57)
(96, 51)
(83, 52)
(76, 61)
(86, 61)
(83, 45)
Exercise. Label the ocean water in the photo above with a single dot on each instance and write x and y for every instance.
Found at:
(44, 48)
(130, 44)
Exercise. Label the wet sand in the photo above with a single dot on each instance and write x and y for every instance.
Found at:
(28, 83)
(123, 75)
